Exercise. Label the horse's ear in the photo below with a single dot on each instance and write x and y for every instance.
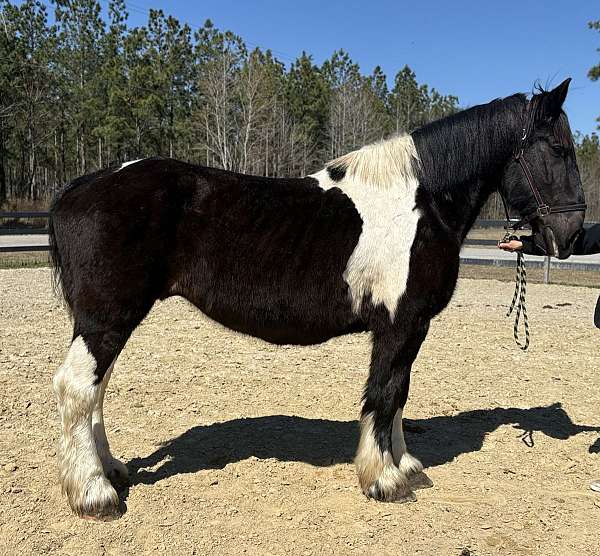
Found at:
(553, 100)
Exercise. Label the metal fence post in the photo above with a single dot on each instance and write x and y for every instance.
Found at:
(546, 270)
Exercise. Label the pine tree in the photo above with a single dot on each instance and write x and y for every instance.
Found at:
(408, 101)
(276, 136)
(81, 30)
(307, 95)
(168, 55)
(114, 131)
(594, 73)
(220, 58)
(8, 99)
(31, 49)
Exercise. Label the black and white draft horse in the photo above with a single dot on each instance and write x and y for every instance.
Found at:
(369, 243)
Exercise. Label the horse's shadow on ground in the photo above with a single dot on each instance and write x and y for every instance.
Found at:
(320, 442)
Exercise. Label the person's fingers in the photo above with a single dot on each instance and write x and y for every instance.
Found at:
(505, 246)
(512, 245)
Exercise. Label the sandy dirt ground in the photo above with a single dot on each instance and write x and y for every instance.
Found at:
(235, 446)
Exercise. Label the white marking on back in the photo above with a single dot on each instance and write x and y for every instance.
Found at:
(381, 164)
(125, 164)
(381, 182)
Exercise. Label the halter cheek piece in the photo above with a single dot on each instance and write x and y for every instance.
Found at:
(543, 209)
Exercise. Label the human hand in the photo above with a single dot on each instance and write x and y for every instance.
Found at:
(512, 245)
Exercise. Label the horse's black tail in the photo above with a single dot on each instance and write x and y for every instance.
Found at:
(56, 258)
(58, 241)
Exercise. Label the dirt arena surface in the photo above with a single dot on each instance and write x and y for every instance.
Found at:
(235, 446)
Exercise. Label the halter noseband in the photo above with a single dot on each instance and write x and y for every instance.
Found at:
(542, 209)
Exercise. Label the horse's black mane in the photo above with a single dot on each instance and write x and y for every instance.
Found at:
(455, 149)
(470, 143)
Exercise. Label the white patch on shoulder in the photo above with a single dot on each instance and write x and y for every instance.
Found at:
(129, 163)
(379, 264)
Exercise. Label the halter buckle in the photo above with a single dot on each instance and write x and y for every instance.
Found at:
(524, 136)
(543, 210)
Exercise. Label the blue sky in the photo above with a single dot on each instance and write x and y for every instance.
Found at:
(477, 50)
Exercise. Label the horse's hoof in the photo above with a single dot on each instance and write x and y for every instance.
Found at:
(420, 481)
(399, 495)
(117, 472)
(103, 518)
(402, 498)
(97, 501)
(109, 511)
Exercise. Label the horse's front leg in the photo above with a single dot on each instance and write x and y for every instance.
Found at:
(386, 470)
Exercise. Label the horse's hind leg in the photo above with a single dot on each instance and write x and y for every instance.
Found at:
(115, 470)
(386, 470)
(79, 389)
(406, 462)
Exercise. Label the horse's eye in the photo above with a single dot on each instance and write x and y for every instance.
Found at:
(558, 149)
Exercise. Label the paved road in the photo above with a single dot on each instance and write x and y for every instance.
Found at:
(476, 255)
(13, 241)
(471, 255)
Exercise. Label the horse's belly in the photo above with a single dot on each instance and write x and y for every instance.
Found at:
(303, 313)
(282, 330)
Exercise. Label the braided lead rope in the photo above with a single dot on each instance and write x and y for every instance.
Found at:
(520, 292)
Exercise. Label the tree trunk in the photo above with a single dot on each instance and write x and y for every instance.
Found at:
(3, 188)
(32, 176)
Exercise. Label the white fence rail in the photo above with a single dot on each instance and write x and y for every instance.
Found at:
(475, 251)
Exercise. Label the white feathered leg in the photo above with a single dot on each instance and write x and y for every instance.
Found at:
(115, 470)
(82, 476)
(409, 466)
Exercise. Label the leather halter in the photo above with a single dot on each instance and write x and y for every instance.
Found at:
(542, 209)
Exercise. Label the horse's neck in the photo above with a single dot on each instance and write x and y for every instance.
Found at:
(462, 160)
